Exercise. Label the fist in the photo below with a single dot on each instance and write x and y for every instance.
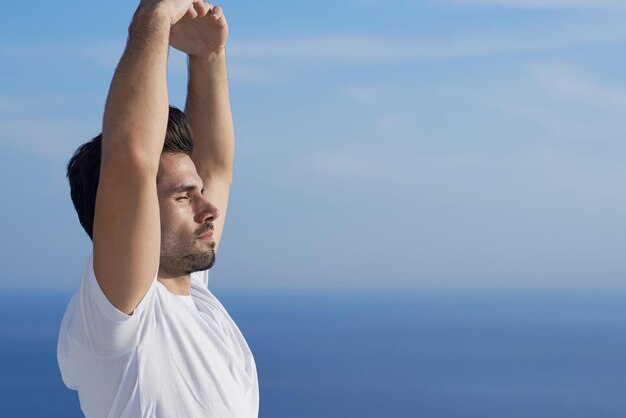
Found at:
(203, 30)
(175, 10)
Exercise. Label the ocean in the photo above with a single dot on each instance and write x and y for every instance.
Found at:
(430, 354)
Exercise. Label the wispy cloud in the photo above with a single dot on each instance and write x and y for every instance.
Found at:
(48, 124)
(371, 49)
(566, 83)
(47, 100)
(33, 125)
(53, 140)
(354, 49)
(546, 4)
(471, 177)
(367, 94)
(564, 102)
(104, 52)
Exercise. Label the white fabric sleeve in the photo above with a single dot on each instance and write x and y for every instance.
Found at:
(101, 327)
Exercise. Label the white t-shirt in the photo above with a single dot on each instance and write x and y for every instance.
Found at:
(175, 357)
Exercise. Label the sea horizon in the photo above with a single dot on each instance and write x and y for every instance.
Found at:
(431, 353)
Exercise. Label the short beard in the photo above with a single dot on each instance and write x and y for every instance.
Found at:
(198, 262)
(181, 264)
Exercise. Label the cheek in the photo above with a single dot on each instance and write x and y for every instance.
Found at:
(170, 214)
(175, 223)
(171, 237)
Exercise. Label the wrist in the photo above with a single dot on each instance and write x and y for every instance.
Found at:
(208, 56)
(148, 17)
(209, 67)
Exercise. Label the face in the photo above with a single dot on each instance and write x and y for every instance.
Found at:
(185, 216)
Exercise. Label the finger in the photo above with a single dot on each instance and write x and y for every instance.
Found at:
(202, 8)
(217, 13)
(191, 13)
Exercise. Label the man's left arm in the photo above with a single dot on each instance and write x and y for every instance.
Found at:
(208, 107)
(209, 115)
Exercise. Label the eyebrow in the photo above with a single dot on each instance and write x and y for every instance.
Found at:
(185, 188)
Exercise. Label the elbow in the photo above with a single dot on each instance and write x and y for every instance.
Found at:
(125, 157)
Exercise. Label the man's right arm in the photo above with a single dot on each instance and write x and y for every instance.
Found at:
(126, 237)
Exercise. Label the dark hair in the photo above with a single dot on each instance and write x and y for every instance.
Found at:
(83, 169)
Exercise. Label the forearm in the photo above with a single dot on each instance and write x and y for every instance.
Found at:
(136, 111)
(209, 114)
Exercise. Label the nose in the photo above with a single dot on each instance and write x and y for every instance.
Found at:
(207, 212)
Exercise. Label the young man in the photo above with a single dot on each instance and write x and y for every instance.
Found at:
(143, 336)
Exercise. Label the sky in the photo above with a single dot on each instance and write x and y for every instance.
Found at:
(407, 145)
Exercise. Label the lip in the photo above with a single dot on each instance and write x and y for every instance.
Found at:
(207, 235)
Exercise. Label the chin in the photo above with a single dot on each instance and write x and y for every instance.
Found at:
(203, 261)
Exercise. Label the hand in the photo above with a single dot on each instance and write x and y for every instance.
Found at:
(173, 10)
(202, 31)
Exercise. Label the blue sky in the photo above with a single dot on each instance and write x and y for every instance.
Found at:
(461, 144)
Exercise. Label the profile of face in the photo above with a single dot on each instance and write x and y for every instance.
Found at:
(185, 216)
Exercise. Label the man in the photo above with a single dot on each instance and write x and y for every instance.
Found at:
(143, 336)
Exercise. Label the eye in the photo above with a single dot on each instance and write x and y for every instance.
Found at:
(178, 199)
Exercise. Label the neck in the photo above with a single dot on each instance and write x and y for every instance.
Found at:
(176, 285)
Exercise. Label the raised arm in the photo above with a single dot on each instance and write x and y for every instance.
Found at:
(126, 237)
(208, 106)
